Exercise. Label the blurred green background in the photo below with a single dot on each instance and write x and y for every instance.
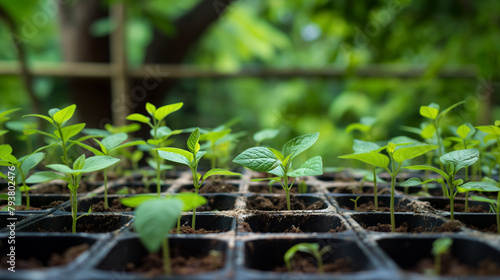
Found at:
(393, 56)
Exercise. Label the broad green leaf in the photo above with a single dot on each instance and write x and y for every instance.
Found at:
(176, 155)
(7, 112)
(31, 161)
(441, 246)
(430, 168)
(463, 130)
(490, 129)
(96, 163)
(461, 158)
(258, 159)
(150, 108)
(193, 140)
(484, 199)
(64, 115)
(428, 131)
(278, 154)
(373, 158)
(312, 167)
(278, 171)
(53, 111)
(40, 116)
(429, 112)
(103, 148)
(164, 111)
(79, 163)
(213, 136)
(415, 182)
(113, 141)
(447, 110)
(61, 168)
(138, 118)
(407, 153)
(70, 131)
(309, 248)
(190, 201)
(154, 219)
(128, 144)
(90, 148)
(357, 126)
(44, 176)
(481, 186)
(218, 171)
(299, 144)
(5, 150)
(360, 146)
(490, 137)
(136, 200)
(161, 132)
(265, 134)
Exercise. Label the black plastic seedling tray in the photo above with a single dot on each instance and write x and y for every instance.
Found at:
(253, 241)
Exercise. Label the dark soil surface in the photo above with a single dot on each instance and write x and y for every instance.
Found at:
(491, 229)
(452, 267)
(114, 206)
(293, 229)
(276, 189)
(152, 264)
(307, 264)
(185, 229)
(358, 190)
(277, 203)
(217, 186)
(102, 223)
(370, 207)
(55, 259)
(53, 188)
(451, 226)
(33, 208)
(460, 207)
(131, 190)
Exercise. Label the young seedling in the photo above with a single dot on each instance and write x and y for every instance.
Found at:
(485, 186)
(262, 159)
(302, 187)
(73, 177)
(365, 126)
(110, 145)
(355, 200)
(368, 152)
(309, 248)
(3, 119)
(454, 161)
(440, 247)
(214, 138)
(191, 158)
(159, 133)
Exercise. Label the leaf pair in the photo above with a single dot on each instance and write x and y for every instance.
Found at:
(159, 114)
(111, 143)
(454, 161)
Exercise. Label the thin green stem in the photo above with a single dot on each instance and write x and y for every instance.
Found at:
(196, 184)
(437, 264)
(393, 220)
(440, 145)
(27, 197)
(63, 145)
(319, 260)
(498, 212)
(74, 209)
(287, 188)
(166, 257)
(179, 224)
(105, 188)
(158, 173)
(466, 202)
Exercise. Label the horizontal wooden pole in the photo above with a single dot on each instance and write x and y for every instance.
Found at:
(102, 70)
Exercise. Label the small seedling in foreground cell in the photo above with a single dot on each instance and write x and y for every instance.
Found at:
(262, 159)
(355, 200)
(191, 158)
(309, 248)
(440, 247)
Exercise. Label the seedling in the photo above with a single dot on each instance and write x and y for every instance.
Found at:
(355, 200)
(440, 247)
(309, 248)
(454, 161)
(73, 177)
(365, 126)
(262, 159)
(159, 133)
(23, 128)
(213, 137)
(3, 119)
(368, 152)
(302, 187)
(109, 145)
(485, 186)
(191, 158)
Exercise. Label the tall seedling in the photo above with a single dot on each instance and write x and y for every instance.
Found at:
(159, 133)
(191, 158)
(262, 159)
(485, 186)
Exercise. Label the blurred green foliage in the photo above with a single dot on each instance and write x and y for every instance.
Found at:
(296, 34)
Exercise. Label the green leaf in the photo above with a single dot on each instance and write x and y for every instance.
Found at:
(428, 131)
(407, 153)
(79, 163)
(360, 146)
(481, 186)
(90, 148)
(3, 132)
(490, 129)
(258, 159)
(461, 158)
(128, 144)
(193, 140)
(154, 219)
(391, 147)
(425, 167)
(312, 167)
(447, 110)
(310, 248)
(5, 150)
(299, 144)
(415, 182)
(150, 108)
(265, 134)
(199, 155)
(497, 123)
(484, 199)
(31, 161)
(190, 201)
(70, 131)
(357, 126)
(213, 136)
(164, 111)
(463, 130)
(113, 141)
(441, 246)
(44, 176)
(218, 171)
(138, 118)
(429, 112)
(61, 168)
(40, 116)
(96, 163)
(176, 155)
(7, 112)
(64, 115)
(136, 200)
(278, 154)
(24, 188)
(373, 158)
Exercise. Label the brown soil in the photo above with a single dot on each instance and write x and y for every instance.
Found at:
(459, 207)
(452, 267)
(152, 264)
(492, 229)
(55, 188)
(358, 190)
(217, 187)
(55, 259)
(100, 224)
(277, 203)
(22, 207)
(370, 207)
(307, 264)
(276, 189)
(185, 229)
(207, 207)
(451, 226)
(132, 189)
(114, 206)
